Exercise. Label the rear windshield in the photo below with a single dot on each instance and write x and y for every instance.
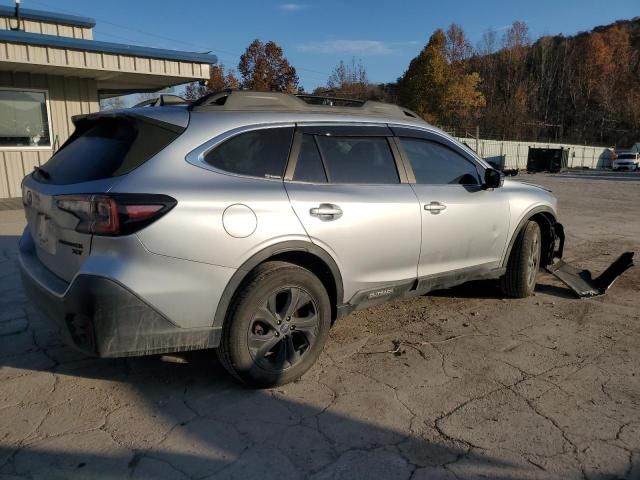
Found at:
(106, 147)
(627, 156)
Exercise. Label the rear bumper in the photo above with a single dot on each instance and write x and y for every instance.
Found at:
(101, 317)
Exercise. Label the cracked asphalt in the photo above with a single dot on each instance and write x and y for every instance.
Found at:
(456, 384)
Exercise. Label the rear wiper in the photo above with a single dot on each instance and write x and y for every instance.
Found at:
(46, 175)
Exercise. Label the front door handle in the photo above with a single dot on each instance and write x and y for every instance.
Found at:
(326, 211)
(435, 207)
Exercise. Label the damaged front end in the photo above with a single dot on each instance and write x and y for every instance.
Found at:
(580, 281)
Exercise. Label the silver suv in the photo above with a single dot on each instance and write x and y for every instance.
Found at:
(250, 222)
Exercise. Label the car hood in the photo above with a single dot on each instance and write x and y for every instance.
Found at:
(534, 185)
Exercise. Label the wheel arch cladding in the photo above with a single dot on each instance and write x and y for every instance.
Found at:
(303, 254)
(545, 218)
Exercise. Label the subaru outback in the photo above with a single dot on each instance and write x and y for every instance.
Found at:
(249, 222)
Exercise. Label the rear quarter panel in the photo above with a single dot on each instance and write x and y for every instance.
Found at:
(194, 229)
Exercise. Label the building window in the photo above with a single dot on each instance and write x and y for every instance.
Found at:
(24, 119)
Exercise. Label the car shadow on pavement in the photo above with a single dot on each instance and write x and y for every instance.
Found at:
(149, 418)
(64, 415)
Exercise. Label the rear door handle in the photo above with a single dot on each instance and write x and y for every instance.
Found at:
(326, 211)
(435, 207)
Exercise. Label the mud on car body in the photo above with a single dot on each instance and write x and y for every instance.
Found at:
(249, 222)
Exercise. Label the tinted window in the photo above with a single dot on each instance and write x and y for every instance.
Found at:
(436, 164)
(258, 153)
(627, 156)
(106, 147)
(309, 166)
(358, 160)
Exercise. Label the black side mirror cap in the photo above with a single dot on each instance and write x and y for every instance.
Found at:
(493, 178)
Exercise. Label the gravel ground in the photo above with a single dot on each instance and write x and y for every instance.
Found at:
(456, 384)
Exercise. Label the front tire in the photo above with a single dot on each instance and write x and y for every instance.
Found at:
(277, 325)
(519, 280)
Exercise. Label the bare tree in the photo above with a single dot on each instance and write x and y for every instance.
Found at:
(488, 43)
(516, 36)
(348, 80)
(195, 90)
(458, 46)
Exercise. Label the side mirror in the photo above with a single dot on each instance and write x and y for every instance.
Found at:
(493, 178)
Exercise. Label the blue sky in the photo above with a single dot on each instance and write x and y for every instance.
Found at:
(317, 35)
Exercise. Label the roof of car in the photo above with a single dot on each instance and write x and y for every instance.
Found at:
(249, 101)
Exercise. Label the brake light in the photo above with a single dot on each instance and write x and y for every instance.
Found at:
(117, 214)
(141, 212)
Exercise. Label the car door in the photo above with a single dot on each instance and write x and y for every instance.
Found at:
(464, 226)
(345, 186)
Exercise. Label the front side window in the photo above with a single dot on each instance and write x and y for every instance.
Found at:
(358, 160)
(435, 164)
(24, 121)
(257, 153)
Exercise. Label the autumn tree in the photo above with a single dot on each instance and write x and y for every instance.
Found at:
(263, 67)
(436, 84)
(219, 80)
(581, 89)
(422, 87)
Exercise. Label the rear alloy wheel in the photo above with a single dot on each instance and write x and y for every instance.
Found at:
(283, 328)
(524, 262)
(277, 326)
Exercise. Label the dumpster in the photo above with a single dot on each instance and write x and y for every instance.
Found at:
(547, 159)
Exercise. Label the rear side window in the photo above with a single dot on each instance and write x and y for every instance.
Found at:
(104, 148)
(358, 160)
(435, 164)
(309, 166)
(258, 153)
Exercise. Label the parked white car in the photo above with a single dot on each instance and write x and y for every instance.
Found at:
(626, 161)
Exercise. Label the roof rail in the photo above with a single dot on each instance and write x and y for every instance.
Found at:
(244, 100)
(329, 101)
(163, 100)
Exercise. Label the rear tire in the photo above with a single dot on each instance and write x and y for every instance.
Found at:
(524, 262)
(277, 325)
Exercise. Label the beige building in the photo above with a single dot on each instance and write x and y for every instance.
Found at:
(52, 69)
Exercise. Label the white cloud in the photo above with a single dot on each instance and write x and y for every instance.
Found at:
(361, 47)
(291, 7)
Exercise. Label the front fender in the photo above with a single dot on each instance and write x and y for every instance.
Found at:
(552, 232)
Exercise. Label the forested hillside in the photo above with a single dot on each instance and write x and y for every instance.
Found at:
(584, 88)
(579, 89)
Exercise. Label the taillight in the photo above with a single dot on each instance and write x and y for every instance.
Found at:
(116, 214)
